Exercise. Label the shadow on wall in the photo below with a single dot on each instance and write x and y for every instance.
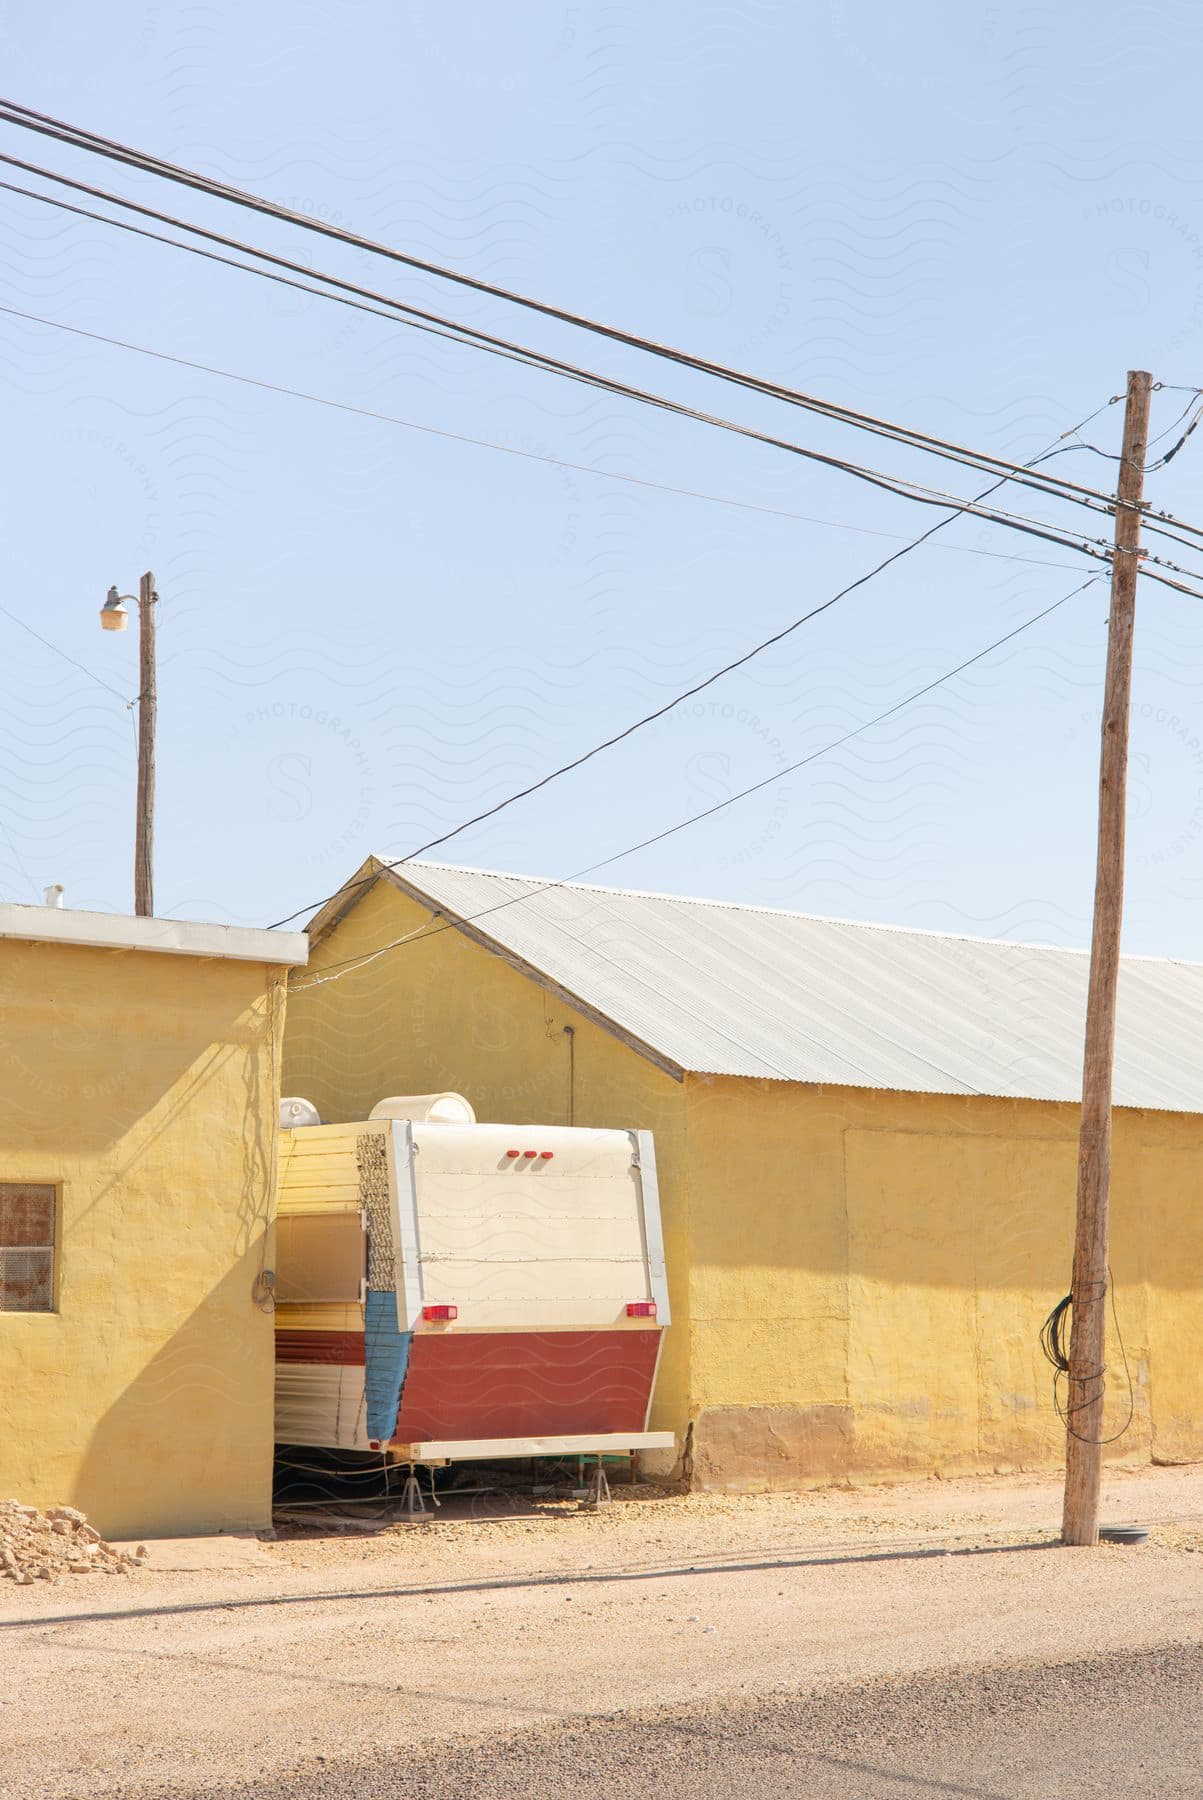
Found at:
(82, 1074)
(187, 1447)
(146, 1088)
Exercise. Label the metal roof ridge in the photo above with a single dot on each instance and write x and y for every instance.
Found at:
(548, 882)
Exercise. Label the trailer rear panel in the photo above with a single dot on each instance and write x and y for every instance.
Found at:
(467, 1285)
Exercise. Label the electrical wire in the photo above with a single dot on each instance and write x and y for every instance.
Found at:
(1161, 461)
(1052, 1335)
(1172, 452)
(78, 137)
(82, 667)
(1055, 1345)
(649, 718)
(689, 693)
(370, 300)
(910, 490)
(959, 506)
(92, 676)
(460, 437)
(334, 970)
(907, 489)
(452, 331)
(1172, 426)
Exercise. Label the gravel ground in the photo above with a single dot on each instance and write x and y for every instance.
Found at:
(418, 1638)
(1125, 1726)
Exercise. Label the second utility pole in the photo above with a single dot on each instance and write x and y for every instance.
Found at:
(144, 884)
(1087, 1349)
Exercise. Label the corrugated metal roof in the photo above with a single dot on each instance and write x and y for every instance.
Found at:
(725, 989)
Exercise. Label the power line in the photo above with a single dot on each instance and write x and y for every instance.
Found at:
(1168, 456)
(459, 437)
(958, 506)
(451, 330)
(332, 971)
(83, 669)
(1171, 453)
(371, 301)
(13, 113)
(629, 731)
(78, 137)
(907, 489)
(615, 738)
(457, 333)
(901, 486)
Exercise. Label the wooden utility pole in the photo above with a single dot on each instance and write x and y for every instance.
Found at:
(1087, 1349)
(144, 884)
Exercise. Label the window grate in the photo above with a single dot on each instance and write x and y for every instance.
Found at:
(27, 1237)
(27, 1280)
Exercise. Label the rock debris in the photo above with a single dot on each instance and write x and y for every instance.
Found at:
(45, 1546)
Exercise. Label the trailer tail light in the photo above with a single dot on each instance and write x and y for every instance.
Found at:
(530, 1153)
(437, 1314)
(641, 1309)
(513, 1153)
(547, 1155)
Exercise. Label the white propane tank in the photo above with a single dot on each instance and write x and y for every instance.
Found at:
(426, 1109)
(295, 1111)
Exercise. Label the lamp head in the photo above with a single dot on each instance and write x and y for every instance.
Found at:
(114, 615)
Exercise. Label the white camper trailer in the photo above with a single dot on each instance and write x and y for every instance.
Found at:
(447, 1289)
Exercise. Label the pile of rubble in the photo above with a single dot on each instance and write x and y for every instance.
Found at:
(37, 1546)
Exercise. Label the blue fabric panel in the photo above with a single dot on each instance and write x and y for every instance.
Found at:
(386, 1358)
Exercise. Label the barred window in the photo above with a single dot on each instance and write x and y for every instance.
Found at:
(27, 1210)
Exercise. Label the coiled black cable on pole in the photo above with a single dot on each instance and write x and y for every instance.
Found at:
(1054, 1341)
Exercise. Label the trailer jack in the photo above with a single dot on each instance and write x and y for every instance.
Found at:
(598, 1491)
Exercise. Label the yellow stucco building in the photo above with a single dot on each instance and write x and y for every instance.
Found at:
(866, 1140)
(139, 1093)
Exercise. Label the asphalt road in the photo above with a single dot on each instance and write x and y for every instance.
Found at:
(1127, 1726)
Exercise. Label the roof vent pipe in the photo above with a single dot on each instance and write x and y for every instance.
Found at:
(296, 1111)
(53, 895)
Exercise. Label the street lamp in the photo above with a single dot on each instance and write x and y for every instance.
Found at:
(114, 614)
(114, 617)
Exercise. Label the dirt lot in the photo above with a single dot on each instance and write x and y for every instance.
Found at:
(499, 1619)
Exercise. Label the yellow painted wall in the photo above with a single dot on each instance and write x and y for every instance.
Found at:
(441, 1013)
(858, 1278)
(1167, 1194)
(870, 1271)
(146, 1087)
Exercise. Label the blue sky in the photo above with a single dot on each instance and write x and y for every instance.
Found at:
(953, 216)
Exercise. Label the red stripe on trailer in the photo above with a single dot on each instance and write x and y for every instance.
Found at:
(344, 1347)
(526, 1384)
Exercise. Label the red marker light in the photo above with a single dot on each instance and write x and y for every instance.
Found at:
(437, 1313)
(530, 1153)
(641, 1309)
(547, 1155)
(513, 1153)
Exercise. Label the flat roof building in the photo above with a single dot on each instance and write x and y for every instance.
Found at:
(139, 1092)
